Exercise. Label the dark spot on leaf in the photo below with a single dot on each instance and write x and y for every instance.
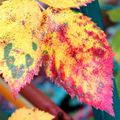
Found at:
(10, 61)
(17, 72)
(29, 60)
(34, 46)
(45, 52)
(7, 50)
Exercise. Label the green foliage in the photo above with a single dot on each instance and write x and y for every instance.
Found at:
(98, 114)
(116, 45)
(114, 14)
(118, 82)
(117, 75)
(3, 116)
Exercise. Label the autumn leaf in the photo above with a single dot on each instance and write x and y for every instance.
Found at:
(30, 114)
(66, 3)
(72, 49)
(19, 45)
(78, 57)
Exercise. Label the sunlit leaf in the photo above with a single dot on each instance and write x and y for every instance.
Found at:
(30, 114)
(77, 56)
(114, 14)
(19, 44)
(66, 3)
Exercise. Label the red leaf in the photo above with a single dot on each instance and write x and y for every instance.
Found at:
(79, 57)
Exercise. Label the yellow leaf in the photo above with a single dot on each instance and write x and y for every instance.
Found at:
(19, 45)
(66, 3)
(30, 114)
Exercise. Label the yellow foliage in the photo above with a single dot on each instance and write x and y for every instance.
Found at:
(30, 114)
(19, 45)
(66, 3)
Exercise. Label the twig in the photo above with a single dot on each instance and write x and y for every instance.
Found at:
(41, 101)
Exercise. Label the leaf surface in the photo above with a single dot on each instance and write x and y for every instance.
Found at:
(19, 45)
(30, 114)
(66, 3)
(78, 57)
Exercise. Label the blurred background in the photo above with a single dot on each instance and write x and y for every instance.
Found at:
(111, 18)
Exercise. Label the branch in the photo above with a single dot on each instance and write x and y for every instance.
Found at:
(41, 101)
